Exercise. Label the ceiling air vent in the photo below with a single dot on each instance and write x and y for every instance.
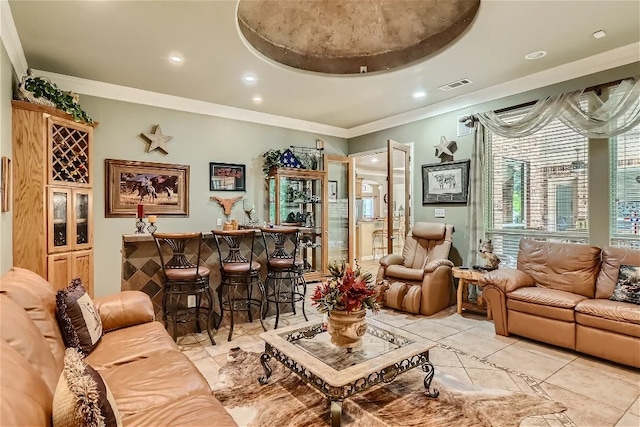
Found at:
(455, 84)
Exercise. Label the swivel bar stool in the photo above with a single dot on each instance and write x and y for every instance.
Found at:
(284, 271)
(183, 278)
(239, 272)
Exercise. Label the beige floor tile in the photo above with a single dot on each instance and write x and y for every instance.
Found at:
(583, 410)
(629, 420)
(469, 362)
(243, 415)
(487, 329)
(459, 322)
(459, 373)
(534, 422)
(396, 318)
(209, 369)
(473, 344)
(532, 364)
(441, 357)
(431, 330)
(492, 378)
(552, 352)
(635, 407)
(522, 383)
(196, 353)
(623, 373)
(596, 384)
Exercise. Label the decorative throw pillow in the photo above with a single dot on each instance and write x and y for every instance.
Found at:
(628, 285)
(78, 318)
(82, 398)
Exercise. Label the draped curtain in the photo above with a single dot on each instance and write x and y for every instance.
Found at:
(617, 114)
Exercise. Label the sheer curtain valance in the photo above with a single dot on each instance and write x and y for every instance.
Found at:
(597, 118)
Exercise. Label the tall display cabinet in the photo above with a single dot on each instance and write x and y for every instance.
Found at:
(52, 195)
(296, 198)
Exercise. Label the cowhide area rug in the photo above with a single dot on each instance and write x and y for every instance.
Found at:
(286, 400)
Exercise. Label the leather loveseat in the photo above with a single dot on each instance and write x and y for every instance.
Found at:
(153, 383)
(559, 294)
(419, 280)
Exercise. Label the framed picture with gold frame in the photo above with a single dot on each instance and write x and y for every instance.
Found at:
(162, 188)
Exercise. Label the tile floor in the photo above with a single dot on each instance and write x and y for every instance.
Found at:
(596, 392)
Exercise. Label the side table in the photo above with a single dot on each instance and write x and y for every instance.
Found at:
(467, 276)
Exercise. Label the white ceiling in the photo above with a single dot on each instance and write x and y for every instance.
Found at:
(128, 43)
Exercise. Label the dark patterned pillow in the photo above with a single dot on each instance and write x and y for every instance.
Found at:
(78, 318)
(628, 285)
(82, 398)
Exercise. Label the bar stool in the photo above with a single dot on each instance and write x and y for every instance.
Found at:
(238, 270)
(284, 269)
(183, 278)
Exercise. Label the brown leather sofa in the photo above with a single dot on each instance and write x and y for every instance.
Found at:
(153, 383)
(420, 280)
(559, 294)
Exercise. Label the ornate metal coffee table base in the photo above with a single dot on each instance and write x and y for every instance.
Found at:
(337, 395)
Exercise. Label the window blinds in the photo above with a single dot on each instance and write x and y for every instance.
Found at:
(537, 187)
(625, 189)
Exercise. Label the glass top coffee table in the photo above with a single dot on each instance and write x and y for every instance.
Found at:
(386, 352)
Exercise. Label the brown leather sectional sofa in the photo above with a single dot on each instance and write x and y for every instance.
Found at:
(559, 294)
(153, 383)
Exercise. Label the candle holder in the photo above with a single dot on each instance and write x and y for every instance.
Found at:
(140, 226)
(151, 228)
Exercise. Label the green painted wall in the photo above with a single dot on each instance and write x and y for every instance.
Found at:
(6, 83)
(426, 133)
(197, 140)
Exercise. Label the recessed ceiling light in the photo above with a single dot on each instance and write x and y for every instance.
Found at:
(175, 59)
(536, 55)
(249, 78)
(374, 160)
(257, 99)
(419, 94)
(599, 34)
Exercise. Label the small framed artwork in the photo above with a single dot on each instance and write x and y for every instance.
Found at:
(227, 177)
(162, 188)
(445, 182)
(333, 191)
(5, 184)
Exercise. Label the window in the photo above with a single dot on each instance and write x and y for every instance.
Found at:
(536, 186)
(367, 207)
(625, 189)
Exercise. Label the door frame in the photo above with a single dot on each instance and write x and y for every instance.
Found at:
(391, 146)
(351, 200)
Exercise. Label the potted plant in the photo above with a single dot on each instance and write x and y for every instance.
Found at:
(271, 160)
(40, 90)
(345, 299)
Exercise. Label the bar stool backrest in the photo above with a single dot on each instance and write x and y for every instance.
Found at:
(237, 244)
(179, 259)
(281, 243)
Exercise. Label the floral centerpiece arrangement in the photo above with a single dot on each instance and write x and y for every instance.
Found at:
(347, 290)
(345, 298)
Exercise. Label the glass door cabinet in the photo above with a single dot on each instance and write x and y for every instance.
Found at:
(296, 198)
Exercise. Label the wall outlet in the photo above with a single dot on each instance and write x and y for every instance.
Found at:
(191, 301)
(219, 221)
(439, 213)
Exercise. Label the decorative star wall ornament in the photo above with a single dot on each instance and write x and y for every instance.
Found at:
(157, 140)
(445, 147)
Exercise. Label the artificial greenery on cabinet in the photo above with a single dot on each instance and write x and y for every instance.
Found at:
(40, 90)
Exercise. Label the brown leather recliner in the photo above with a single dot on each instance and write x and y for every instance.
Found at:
(420, 279)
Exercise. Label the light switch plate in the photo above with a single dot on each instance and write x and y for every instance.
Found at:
(191, 301)
(439, 213)
(219, 221)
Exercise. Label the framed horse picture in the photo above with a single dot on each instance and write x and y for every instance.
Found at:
(162, 188)
(446, 182)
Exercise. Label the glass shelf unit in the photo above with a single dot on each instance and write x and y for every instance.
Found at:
(296, 198)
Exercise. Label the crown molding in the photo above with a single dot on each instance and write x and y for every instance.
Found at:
(161, 100)
(593, 64)
(11, 40)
